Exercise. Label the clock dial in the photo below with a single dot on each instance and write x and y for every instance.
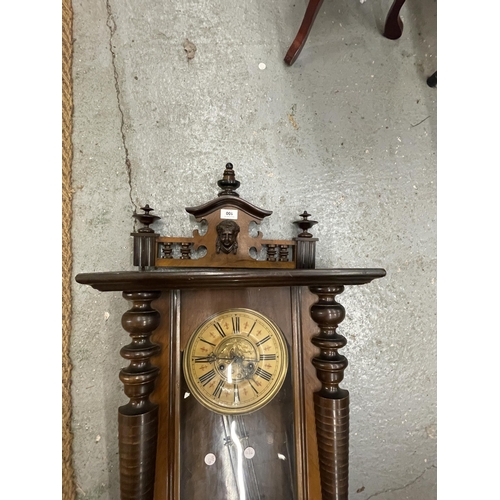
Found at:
(236, 361)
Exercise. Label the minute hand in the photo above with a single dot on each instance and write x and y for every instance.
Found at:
(204, 359)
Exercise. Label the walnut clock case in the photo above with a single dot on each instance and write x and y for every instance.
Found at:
(234, 370)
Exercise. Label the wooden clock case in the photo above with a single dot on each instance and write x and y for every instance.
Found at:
(183, 281)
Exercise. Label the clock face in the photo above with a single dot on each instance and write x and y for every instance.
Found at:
(235, 362)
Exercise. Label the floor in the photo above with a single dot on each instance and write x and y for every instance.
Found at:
(347, 133)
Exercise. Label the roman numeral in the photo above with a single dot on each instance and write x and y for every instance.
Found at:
(254, 389)
(251, 329)
(218, 389)
(263, 374)
(207, 342)
(263, 340)
(236, 324)
(267, 357)
(205, 379)
(219, 329)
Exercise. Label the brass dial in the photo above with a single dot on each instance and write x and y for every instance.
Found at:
(236, 361)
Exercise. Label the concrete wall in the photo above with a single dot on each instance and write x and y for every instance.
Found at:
(348, 133)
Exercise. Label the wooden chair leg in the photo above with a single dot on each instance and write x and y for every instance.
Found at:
(300, 40)
(433, 79)
(393, 23)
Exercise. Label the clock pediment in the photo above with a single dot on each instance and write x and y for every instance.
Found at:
(226, 240)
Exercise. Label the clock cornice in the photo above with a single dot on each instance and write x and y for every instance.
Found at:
(175, 279)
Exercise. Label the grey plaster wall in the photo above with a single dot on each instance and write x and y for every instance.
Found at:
(348, 133)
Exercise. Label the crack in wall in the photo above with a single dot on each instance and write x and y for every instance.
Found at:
(402, 487)
(111, 24)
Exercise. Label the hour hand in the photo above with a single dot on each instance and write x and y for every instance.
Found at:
(205, 359)
(218, 358)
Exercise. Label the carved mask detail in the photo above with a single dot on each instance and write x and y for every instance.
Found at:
(227, 233)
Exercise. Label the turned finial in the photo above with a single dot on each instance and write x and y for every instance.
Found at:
(305, 224)
(146, 218)
(228, 183)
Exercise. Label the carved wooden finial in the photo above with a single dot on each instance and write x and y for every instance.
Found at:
(228, 183)
(305, 224)
(146, 218)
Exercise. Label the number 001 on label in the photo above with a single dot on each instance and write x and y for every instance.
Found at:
(228, 214)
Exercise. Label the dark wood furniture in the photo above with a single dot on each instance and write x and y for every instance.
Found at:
(393, 27)
(433, 79)
(300, 40)
(301, 438)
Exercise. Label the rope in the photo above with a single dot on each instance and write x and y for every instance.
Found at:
(68, 483)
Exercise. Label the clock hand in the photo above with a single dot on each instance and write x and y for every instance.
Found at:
(212, 357)
(242, 358)
(205, 359)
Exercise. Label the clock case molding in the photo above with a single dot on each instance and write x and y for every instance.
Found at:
(182, 281)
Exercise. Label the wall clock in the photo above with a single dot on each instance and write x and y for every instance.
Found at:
(234, 370)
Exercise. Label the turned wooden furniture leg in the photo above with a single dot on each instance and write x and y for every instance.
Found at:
(138, 419)
(393, 23)
(433, 79)
(300, 40)
(331, 403)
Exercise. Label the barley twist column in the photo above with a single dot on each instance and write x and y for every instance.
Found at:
(331, 403)
(138, 419)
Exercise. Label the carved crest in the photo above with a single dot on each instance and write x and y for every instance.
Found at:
(227, 242)
(227, 237)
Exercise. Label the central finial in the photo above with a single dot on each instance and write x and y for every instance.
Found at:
(228, 183)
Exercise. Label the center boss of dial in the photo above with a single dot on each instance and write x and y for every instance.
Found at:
(236, 359)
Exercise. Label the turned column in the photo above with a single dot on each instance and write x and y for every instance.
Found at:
(331, 403)
(138, 419)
